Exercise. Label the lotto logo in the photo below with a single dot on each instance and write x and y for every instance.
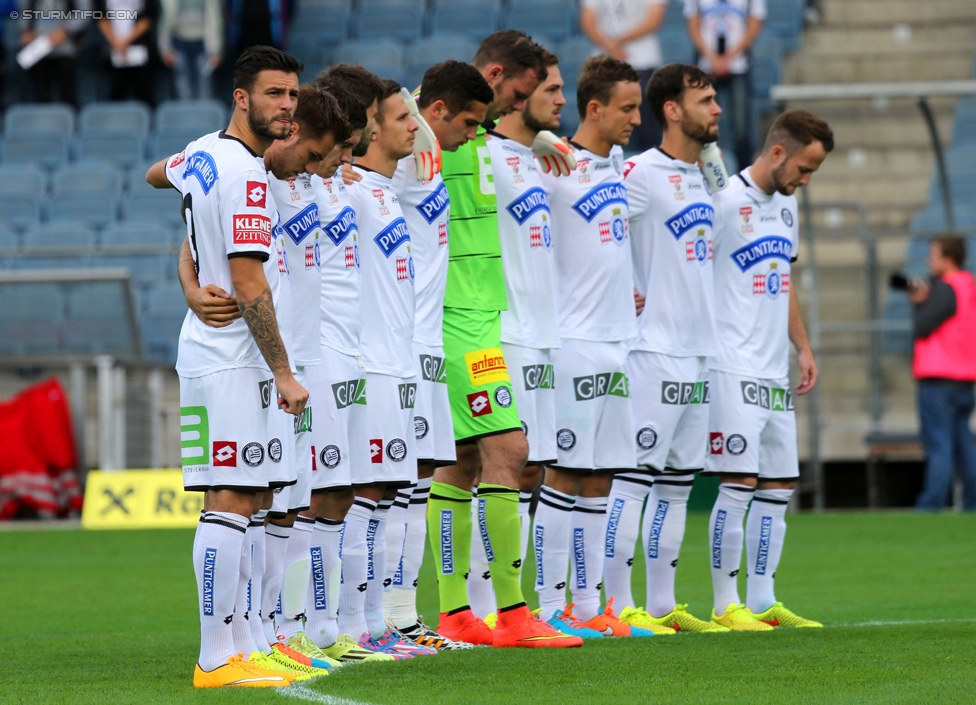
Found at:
(441, 234)
(535, 236)
(376, 451)
(257, 194)
(350, 258)
(401, 269)
(605, 235)
(177, 160)
(225, 454)
(716, 443)
(252, 230)
(479, 404)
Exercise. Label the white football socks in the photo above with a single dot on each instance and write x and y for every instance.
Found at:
(376, 577)
(725, 539)
(255, 533)
(276, 547)
(765, 535)
(322, 605)
(217, 550)
(624, 506)
(664, 529)
(589, 525)
(396, 531)
(403, 595)
(296, 573)
(551, 539)
(241, 626)
(352, 591)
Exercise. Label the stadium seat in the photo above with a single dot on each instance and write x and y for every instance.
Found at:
(569, 118)
(50, 150)
(101, 179)
(30, 317)
(123, 150)
(784, 18)
(158, 207)
(97, 319)
(62, 236)
(557, 20)
(44, 118)
(676, 46)
(52, 260)
(145, 269)
(194, 117)
(114, 118)
(22, 190)
(898, 310)
(136, 234)
(572, 53)
(474, 20)
(383, 57)
(964, 129)
(437, 48)
(22, 178)
(389, 18)
(326, 21)
(165, 311)
(21, 211)
(166, 145)
(8, 238)
(92, 209)
(306, 45)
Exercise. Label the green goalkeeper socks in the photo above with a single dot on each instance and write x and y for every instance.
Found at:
(449, 529)
(498, 521)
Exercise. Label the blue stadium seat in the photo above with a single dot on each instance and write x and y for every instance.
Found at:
(44, 118)
(52, 260)
(764, 75)
(145, 269)
(136, 233)
(437, 48)
(8, 238)
(95, 210)
(22, 190)
(385, 58)
(158, 207)
(961, 160)
(166, 300)
(964, 129)
(379, 20)
(61, 236)
(306, 45)
(572, 53)
(123, 150)
(474, 20)
(166, 309)
(168, 144)
(326, 21)
(21, 211)
(135, 176)
(50, 150)
(897, 309)
(784, 18)
(674, 16)
(193, 117)
(676, 46)
(30, 317)
(115, 118)
(22, 178)
(557, 20)
(569, 118)
(102, 179)
(96, 319)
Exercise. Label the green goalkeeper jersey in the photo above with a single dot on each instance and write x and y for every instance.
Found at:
(475, 279)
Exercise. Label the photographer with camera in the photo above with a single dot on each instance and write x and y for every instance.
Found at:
(944, 323)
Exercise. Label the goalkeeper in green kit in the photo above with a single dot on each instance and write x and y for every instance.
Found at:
(487, 428)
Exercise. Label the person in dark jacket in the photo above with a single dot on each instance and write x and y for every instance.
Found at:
(130, 39)
(56, 75)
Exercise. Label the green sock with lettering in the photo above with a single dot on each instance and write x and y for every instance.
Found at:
(449, 529)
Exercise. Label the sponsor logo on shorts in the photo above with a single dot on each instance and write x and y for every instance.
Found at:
(479, 404)
(225, 454)
(194, 436)
(257, 194)
(433, 369)
(370, 546)
(682, 393)
(537, 541)
(532, 201)
(772, 398)
(350, 392)
(694, 216)
(303, 422)
(762, 556)
(432, 207)
(420, 427)
(580, 557)
(376, 451)
(646, 438)
(613, 520)
(252, 454)
(318, 579)
(392, 236)
(736, 444)
(720, 517)
(204, 168)
(274, 450)
(716, 443)
(592, 386)
(486, 366)
(565, 439)
(654, 536)
(396, 450)
(537, 377)
(341, 226)
(408, 395)
(209, 565)
(762, 249)
(305, 222)
(252, 230)
(483, 528)
(598, 198)
(503, 396)
(330, 456)
(525, 428)
(447, 542)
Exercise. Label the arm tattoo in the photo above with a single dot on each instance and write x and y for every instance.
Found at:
(259, 314)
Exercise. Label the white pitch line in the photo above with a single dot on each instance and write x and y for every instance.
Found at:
(303, 692)
(905, 622)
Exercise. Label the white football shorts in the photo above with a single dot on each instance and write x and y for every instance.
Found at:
(390, 428)
(531, 371)
(433, 425)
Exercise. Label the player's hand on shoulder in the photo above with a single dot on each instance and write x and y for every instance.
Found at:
(213, 305)
(554, 155)
(349, 175)
(292, 396)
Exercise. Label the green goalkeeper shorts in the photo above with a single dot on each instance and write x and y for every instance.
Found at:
(478, 384)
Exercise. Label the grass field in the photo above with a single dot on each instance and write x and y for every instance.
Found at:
(109, 617)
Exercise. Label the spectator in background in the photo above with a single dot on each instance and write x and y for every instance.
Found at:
(55, 74)
(626, 30)
(6, 7)
(944, 320)
(130, 42)
(251, 23)
(191, 41)
(722, 32)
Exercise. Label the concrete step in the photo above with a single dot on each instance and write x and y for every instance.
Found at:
(869, 13)
(932, 65)
(834, 40)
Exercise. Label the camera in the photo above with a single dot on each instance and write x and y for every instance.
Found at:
(899, 282)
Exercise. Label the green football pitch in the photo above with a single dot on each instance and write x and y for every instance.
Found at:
(110, 617)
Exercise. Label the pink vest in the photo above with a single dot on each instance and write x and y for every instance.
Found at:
(950, 352)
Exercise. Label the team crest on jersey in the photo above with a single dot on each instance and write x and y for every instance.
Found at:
(745, 215)
(675, 180)
(772, 283)
(598, 198)
(344, 223)
(530, 202)
(352, 257)
(434, 206)
(404, 268)
(441, 234)
(771, 247)
(614, 230)
(392, 236)
(313, 256)
(699, 249)
(204, 168)
(693, 216)
(787, 217)
(304, 223)
(582, 171)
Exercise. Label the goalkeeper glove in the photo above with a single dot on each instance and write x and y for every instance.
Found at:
(553, 154)
(426, 148)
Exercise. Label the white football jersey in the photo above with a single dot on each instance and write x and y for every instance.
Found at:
(387, 300)
(339, 309)
(592, 244)
(426, 208)
(230, 213)
(525, 233)
(299, 213)
(671, 216)
(756, 239)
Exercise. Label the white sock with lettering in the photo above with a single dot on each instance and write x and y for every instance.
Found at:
(297, 569)
(588, 537)
(664, 530)
(322, 605)
(352, 591)
(765, 535)
(255, 532)
(624, 506)
(481, 594)
(241, 627)
(725, 538)
(551, 540)
(276, 547)
(376, 580)
(217, 564)
(396, 531)
(403, 600)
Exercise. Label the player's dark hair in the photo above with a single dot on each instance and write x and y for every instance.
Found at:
(318, 113)
(514, 51)
(598, 79)
(795, 129)
(356, 89)
(256, 59)
(549, 59)
(669, 83)
(952, 247)
(390, 88)
(457, 83)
